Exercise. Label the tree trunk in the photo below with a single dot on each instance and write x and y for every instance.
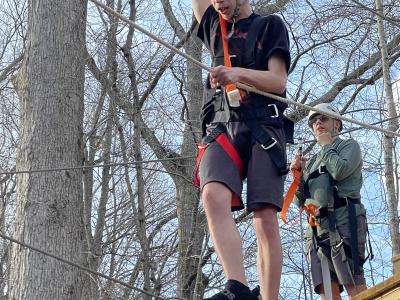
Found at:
(7, 188)
(48, 215)
(191, 223)
(388, 142)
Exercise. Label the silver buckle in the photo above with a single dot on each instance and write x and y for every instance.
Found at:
(320, 170)
(269, 146)
(275, 109)
(337, 246)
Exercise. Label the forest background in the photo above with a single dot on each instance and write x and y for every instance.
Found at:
(78, 87)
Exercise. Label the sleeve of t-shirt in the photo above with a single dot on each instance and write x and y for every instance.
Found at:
(209, 18)
(276, 40)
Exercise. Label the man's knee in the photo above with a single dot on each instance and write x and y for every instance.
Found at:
(266, 222)
(216, 198)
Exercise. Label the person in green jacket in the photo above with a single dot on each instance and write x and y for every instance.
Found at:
(330, 193)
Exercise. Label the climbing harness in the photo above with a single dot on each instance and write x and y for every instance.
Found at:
(313, 214)
(339, 250)
(223, 105)
(218, 134)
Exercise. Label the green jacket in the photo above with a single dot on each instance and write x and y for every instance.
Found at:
(343, 161)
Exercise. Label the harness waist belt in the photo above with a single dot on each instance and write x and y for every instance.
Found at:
(339, 202)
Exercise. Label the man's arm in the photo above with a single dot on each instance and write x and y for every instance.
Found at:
(199, 8)
(341, 165)
(299, 199)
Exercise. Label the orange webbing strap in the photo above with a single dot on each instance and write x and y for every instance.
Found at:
(227, 58)
(311, 210)
(229, 149)
(224, 142)
(290, 194)
(201, 148)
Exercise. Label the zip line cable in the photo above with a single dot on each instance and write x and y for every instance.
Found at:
(157, 160)
(350, 130)
(239, 84)
(148, 33)
(307, 107)
(96, 166)
(65, 261)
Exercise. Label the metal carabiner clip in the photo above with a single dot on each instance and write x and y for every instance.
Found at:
(300, 147)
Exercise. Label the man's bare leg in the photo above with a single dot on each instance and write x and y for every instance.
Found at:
(269, 255)
(335, 291)
(224, 233)
(353, 290)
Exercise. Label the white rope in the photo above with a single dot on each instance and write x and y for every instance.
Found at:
(81, 267)
(239, 84)
(304, 106)
(172, 159)
(148, 33)
(347, 131)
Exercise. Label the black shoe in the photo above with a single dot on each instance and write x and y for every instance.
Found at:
(234, 290)
(256, 292)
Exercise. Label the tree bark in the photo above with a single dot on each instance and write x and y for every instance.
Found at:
(50, 85)
(191, 228)
(388, 142)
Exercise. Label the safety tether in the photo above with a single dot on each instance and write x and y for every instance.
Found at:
(290, 194)
(233, 93)
(225, 45)
(296, 174)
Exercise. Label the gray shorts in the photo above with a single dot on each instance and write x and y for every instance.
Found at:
(344, 231)
(264, 184)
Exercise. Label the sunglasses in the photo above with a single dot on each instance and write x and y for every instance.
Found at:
(314, 119)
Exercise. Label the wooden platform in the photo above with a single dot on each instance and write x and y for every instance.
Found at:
(386, 290)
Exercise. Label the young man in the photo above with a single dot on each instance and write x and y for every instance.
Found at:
(243, 137)
(330, 193)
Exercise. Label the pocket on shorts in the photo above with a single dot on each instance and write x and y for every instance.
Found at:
(340, 264)
(344, 231)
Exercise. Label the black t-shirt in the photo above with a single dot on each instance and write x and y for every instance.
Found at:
(272, 38)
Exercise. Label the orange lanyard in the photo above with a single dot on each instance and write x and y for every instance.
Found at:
(293, 186)
(227, 58)
(290, 194)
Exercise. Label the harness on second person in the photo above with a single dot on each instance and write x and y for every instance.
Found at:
(219, 110)
(324, 183)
